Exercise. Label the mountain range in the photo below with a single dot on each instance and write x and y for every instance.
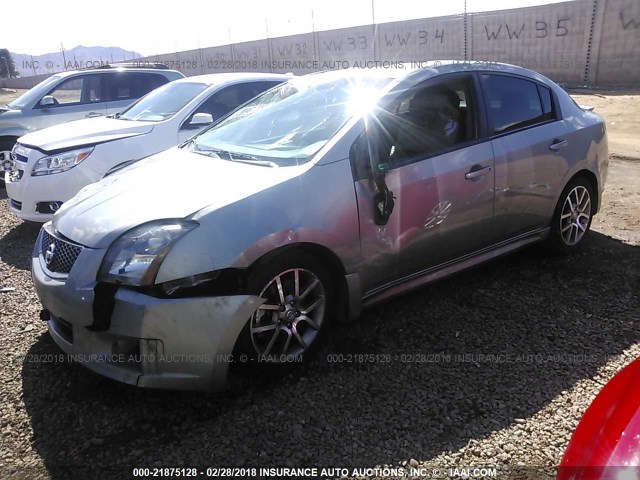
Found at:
(73, 59)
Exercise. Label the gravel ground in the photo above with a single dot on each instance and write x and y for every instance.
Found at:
(505, 359)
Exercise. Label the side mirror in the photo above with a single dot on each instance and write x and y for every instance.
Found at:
(47, 101)
(201, 119)
(363, 156)
(383, 201)
(360, 159)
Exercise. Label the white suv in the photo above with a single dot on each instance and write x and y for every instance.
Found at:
(53, 164)
(74, 95)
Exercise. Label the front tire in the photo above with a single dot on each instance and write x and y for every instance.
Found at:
(5, 152)
(572, 217)
(298, 308)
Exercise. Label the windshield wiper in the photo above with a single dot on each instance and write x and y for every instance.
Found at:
(262, 163)
(198, 148)
(244, 158)
(117, 116)
(234, 156)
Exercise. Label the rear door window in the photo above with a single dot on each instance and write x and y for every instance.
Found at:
(514, 103)
(132, 85)
(547, 102)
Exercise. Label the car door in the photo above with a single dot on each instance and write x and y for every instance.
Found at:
(529, 141)
(123, 88)
(442, 183)
(75, 98)
(221, 102)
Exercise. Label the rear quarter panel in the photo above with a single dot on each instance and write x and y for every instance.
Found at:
(588, 146)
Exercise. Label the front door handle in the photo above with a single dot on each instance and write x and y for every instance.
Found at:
(477, 171)
(557, 145)
(93, 114)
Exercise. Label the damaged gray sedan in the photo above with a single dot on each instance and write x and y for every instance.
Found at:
(323, 196)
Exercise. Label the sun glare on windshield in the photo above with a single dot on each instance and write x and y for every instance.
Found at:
(362, 100)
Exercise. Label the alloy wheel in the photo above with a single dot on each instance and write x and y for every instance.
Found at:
(6, 162)
(291, 317)
(575, 216)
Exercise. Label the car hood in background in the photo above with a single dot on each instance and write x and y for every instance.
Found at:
(89, 131)
(607, 439)
(172, 184)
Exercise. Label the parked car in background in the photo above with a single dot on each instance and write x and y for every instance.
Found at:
(53, 164)
(74, 95)
(606, 444)
(321, 197)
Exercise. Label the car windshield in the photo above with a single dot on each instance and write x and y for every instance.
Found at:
(35, 94)
(290, 123)
(164, 102)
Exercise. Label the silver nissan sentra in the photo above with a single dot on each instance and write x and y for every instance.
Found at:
(321, 197)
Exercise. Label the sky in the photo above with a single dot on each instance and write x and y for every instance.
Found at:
(151, 28)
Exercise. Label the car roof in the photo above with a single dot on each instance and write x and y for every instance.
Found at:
(451, 66)
(220, 78)
(422, 70)
(160, 71)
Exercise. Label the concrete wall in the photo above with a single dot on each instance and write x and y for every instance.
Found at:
(23, 82)
(549, 39)
(616, 57)
(425, 39)
(295, 53)
(585, 42)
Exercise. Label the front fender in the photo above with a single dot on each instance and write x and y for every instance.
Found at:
(10, 126)
(13, 132)
(317, 207)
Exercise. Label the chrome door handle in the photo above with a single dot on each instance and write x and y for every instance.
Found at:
(557, 145)
(93, 114)
(475, 173)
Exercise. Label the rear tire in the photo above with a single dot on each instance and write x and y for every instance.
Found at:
(572, 217)
(287, 329)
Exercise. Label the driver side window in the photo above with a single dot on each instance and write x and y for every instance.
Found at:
(78, 90)
(229, 98)
(425, 121)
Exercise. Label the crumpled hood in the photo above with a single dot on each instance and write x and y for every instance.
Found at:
(172, 184)
(89, 131)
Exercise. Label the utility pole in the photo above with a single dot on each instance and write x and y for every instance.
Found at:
(466, 32)
(64, 58)
(266, 24)
(233, 55)
(373, 28)
(313, 36)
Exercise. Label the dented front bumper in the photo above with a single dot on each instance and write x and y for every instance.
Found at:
(180, 343)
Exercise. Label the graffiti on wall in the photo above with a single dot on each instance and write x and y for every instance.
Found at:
(540, 29)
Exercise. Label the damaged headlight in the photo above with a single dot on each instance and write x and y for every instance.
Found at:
(60, 162)
(135, 257)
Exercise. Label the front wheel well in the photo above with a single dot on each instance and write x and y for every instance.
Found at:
(8, 138)
(329, 259)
